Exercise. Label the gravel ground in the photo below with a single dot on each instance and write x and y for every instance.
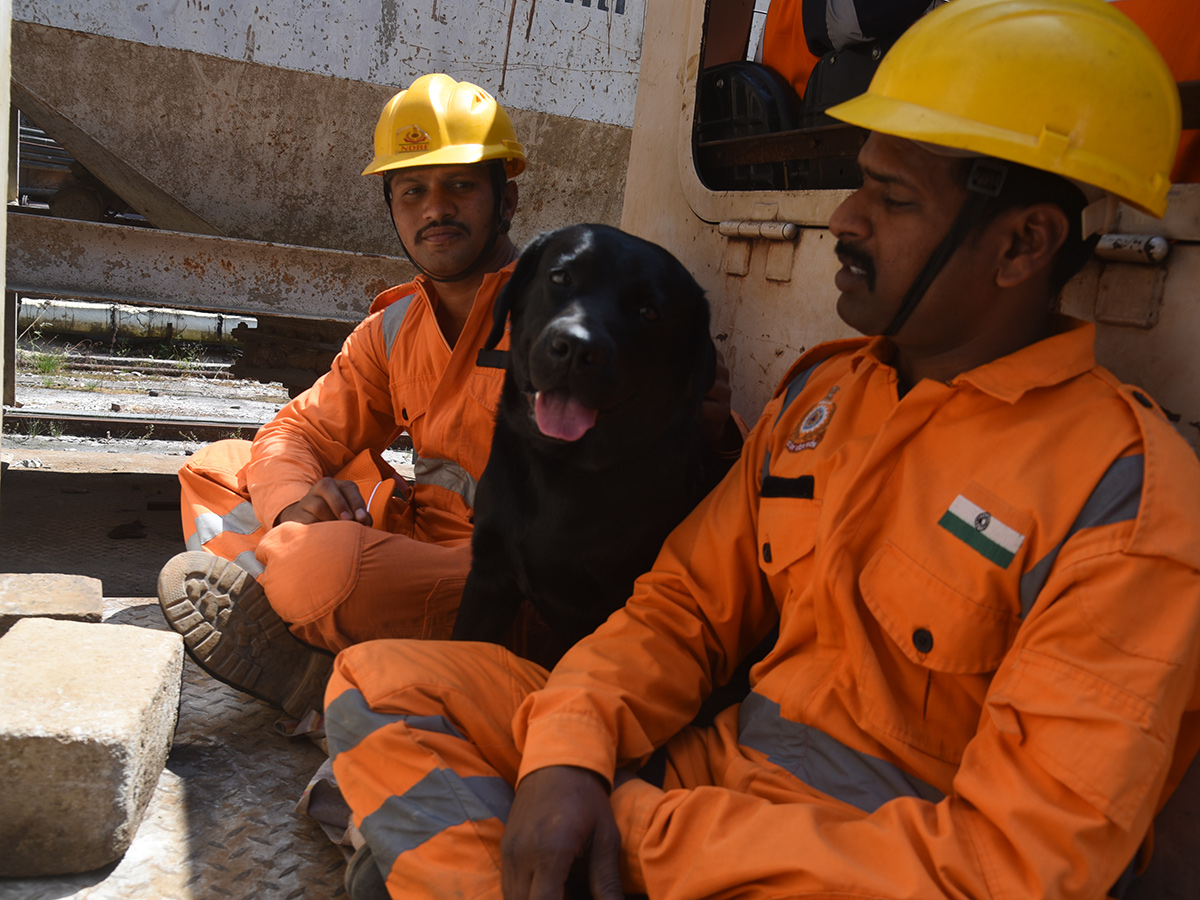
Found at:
(121, 387)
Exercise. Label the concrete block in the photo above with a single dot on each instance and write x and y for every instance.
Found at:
(74, 597)
(87, 714)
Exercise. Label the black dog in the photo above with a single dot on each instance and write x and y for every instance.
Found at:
(597, 452)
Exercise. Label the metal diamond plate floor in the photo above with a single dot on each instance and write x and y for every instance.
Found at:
(221, 823)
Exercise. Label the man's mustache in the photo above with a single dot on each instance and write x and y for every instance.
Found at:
(859, 258)
(447, 223)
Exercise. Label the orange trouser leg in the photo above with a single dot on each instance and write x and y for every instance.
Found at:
(334, 583)
(215, 506)
(339, 583)
(422, 746)
(420, 734)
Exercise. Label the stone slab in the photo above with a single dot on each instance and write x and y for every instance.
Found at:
(87, 715)
(49, 596)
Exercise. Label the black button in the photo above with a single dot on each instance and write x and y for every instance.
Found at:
(923, 640)
(1143, 399)
(404, 414)
(766, 552)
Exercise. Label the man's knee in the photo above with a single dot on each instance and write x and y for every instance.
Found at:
(310, 569)
(478, 686)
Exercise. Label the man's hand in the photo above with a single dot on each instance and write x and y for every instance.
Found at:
(327, 500)
(560, 814)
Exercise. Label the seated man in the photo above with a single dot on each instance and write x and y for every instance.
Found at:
(980, 549)
(292, 514)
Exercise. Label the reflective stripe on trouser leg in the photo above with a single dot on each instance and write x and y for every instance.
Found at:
(421, 741)
(215, 509)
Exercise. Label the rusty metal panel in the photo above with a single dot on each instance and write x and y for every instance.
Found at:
(209, 145)
(166, 268)
(577, 58)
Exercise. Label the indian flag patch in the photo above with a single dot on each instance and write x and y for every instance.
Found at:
(982, 531)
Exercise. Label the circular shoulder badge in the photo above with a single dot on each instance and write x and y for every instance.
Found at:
(811, 429)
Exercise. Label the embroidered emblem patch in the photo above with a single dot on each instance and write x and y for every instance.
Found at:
(410, 139)
(812, 427)
(982, 531)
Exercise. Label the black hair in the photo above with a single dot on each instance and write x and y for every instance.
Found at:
(1026, 186)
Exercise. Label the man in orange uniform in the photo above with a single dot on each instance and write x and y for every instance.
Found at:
(309, 513)
(981, 552)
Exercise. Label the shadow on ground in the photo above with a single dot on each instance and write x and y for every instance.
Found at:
(119, 527)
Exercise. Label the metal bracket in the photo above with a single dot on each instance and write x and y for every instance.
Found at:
(1130, 294)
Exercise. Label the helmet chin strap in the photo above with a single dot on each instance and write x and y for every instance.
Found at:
(985, 182)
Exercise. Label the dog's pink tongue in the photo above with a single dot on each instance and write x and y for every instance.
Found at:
(559, 415)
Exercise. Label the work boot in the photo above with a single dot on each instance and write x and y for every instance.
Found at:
(364, 881)
(234, 635)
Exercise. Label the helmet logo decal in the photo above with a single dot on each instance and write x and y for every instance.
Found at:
(410, 139)
(812, 427)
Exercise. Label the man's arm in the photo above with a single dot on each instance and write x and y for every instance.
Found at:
(349, 408)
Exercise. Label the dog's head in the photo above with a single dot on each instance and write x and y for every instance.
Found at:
(609, 339)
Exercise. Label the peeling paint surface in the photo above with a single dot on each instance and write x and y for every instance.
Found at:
(577, 58)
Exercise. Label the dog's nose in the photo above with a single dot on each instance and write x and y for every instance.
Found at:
(575, 348)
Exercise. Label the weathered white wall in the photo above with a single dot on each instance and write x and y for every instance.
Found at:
(576, 58)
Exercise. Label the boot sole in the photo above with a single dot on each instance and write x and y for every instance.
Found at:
(231, 632)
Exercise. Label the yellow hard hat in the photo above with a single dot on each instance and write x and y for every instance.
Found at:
(1072, 87)
(439, 121)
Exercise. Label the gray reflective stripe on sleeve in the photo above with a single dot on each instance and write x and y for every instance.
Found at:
(440, 800)
(239, 520)
(393, 318)
(795, 386)
(823, 762)
(348, 720)
(446, 474)
(1116, 498)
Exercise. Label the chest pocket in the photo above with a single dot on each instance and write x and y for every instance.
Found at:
(931, 623)
(787, 531)
(923, 677)
(487, 378)
(411, 400)
(484, 385)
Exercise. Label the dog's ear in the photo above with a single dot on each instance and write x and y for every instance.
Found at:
(512, 292)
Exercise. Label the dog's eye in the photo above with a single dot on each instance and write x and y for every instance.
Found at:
(649, 313)
(560, 276)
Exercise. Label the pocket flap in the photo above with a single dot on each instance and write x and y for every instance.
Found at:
(934, 625)
(787, 531)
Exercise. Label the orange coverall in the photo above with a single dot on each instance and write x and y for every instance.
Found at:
(985, 683)
(338, 582)
(1174, 27)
